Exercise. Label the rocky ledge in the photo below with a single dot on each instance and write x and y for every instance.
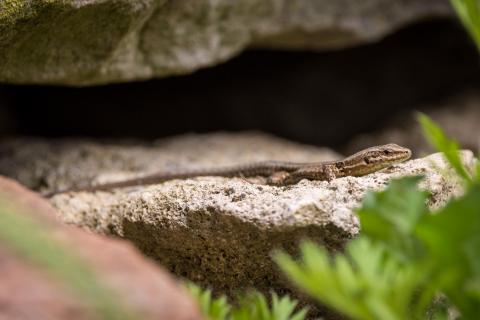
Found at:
(215, 231)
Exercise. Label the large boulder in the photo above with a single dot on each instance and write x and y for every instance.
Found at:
(81, 42)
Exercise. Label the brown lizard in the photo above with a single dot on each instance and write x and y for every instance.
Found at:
(278, 173)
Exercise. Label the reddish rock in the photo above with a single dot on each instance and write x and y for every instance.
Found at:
(29, 292)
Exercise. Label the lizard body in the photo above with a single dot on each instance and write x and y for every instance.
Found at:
(277, 172)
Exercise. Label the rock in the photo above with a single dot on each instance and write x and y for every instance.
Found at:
(219, 231)
(458, 115)
(28, 291)
(48, 165)
(83, 42)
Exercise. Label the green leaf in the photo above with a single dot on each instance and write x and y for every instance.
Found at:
(364, 283)
(469, 13)
(391, 216)
(442, 143)
(255, 306)
(217, 308)
(452, 236)
(252, 306)
(477, 170)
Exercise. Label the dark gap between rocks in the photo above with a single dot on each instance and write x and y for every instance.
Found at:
(319, 98)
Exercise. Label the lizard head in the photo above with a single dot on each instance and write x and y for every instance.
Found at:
(375, 158)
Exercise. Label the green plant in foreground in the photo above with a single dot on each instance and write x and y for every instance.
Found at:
(406, 256)
(214, 308)
(469, 13)
(252, 306)
(437, 138)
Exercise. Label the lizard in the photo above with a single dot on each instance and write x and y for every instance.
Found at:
(278, 173)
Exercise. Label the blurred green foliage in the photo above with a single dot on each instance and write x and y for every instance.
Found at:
(437, 138)
(406, 257)
(469, 13)
(253, 306)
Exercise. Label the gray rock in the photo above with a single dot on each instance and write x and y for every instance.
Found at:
(219, 231)
(81, 42)
(215, 231)
(48, 165)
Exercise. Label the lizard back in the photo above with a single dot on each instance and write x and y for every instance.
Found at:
(265, 169)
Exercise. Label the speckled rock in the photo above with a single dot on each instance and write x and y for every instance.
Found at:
(47, 165)
(219, 231)
(83, 42)
(215, 231)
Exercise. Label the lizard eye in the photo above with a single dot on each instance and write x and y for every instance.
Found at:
(367, 161)
(387, 152)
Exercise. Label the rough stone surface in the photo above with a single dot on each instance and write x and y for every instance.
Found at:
(220, 231)
(29, 292)
(47, 165)
(459, 116)
(83, 42)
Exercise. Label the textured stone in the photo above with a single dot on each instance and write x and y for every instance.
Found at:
(83, 42)
(217, 231)
(29, 292)
(47, 165)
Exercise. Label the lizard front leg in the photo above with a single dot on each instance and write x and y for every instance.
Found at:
(323, 173)
(279, 178)
(283, 178)
(329, 172)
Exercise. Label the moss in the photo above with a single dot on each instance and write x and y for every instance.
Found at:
(14, 10)
(9, 9)
(54, 38)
